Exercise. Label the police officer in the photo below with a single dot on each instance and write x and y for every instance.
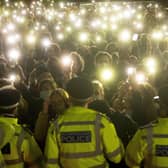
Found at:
(22, 148)
(2, 163)
(150, 143)
(82, 137)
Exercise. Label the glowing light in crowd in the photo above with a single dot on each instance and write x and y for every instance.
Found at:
(68, 29)
(140, 78)
(98, 38)
(151, 65)
(125, 36)
(83, 37)
(131, 70)
(135, 37)
(157, 35)
(14, 54)
(10, 27)
(106, 74)
(12, 78)
(114, 27)
(46, 42)
(60, 36)
(31, 39)
(66, 61)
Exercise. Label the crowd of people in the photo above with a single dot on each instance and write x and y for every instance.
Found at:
(83, 85)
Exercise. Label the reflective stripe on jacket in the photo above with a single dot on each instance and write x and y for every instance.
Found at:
(150, 144)
(82, 138)
(21, 149)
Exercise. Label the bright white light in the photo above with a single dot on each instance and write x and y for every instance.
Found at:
(151, 62)
(78, 23)
(139, 16)
(95, 23)
(102, 9)
(12, 78)
(114, 27)
(139, 25)
(72, 17)
(11, 39)
(98, 39)
(83, 37)
(160, 15)
(135, 37)
(61, 4)
(31, 39)
(68, 29)
(57, 27)
(164, 27)
(46, 42)
(106, 75)
(158, 35)
(140, 78)
(60, 36)
(83, 11)
(151, 65)
(66, 61)
(156, 5)
(125, 36)
(14, 54)
(10, 27)
(130, 70)
(127, 14)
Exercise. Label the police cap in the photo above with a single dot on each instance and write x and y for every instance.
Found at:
(79, 88)
(9, 97)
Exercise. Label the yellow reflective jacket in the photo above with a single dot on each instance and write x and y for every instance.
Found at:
(7, 131)
(2, 163)
(21, 148)
(150, 144)
(82, 138)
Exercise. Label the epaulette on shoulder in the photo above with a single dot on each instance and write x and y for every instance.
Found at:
(151, 124)
(101, 114)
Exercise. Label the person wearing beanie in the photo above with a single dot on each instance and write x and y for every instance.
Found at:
(150, 142)
(18, 138)
(82, 137)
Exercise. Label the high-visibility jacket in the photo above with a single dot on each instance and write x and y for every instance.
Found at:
(2, 163)
(6, 133)
(150, 144)
(21, 149)
(82, 138)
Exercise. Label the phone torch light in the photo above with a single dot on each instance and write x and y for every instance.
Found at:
(125, 36)
(150, 62)
(46, 42)
(13, 55)
(12, 78)
(60, 36)
(158, 35)
(31, 39)
(66, 61)
(83, 37)
(11, 39)
(140, 78)
(131, 71)
(106, 75)
(135, 37)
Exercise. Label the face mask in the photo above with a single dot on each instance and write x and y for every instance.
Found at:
(45, 94)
